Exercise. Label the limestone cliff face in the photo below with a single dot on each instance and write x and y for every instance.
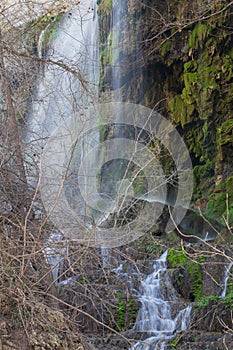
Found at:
(178, 57)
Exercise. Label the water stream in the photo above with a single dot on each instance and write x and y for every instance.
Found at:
(160, 315)
(226, 278)
(41, 41)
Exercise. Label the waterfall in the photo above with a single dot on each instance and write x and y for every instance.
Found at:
(126, 53)
(226, 278)
(61, 94)
(156, 315)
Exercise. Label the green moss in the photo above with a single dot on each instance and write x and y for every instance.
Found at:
(230, 284)
(220, 201)
(199, 87)
(195, 272)
(190, 66)
(192, 87)
(177, 258)
(198, 35)
(106, 55)
(166, 47)
(227, 67)
(84, 279)
(214, 299)
(205, 300)
(203, 176)
(153, 248)
(179, 110)
(119, 295)
(120, 311)
(139, 183)
(225, 132)
(228, 300)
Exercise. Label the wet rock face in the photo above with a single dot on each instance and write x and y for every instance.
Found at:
(204, 341)
(187, 77)
(215, 317)
(183, 288)
(212, 275)
(106, 294)
(197, 271)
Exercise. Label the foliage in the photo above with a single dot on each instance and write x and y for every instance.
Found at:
(229, 290)
(174, 342)
(152, 248)
(51, 33)
(133, 310)
(84, 279)
(176, 257)
(121, 315)
(227, 301)
(205, 300)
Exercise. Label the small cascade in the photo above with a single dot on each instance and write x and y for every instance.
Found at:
(226, 278)
(54, 254)
(105, 257)
(41, 41)
(155, 316)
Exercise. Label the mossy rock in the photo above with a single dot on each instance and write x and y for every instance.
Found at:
(166, 47)
(181, 113)
(220, 202)
(225, 132)
(188, 273)
(198, 35)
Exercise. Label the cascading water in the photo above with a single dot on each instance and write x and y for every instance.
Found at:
(226, 278)
(40, 41)
(156, 315)
(61, 92)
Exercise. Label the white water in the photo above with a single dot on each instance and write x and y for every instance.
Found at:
(54, 254)
(40, 41)
(60, 94)
(226, 278)
(155, 316)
